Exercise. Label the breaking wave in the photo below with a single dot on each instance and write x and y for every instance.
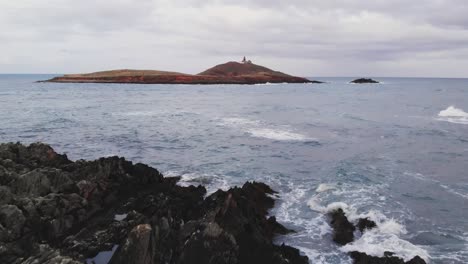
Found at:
(211, 182)
(453, 115)
(385, 237)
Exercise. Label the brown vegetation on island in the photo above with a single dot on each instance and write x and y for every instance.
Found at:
(244, 72)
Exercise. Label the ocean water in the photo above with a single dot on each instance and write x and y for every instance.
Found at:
(395, 152)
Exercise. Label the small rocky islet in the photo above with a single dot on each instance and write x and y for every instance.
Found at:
(364, 80)
(53, 210)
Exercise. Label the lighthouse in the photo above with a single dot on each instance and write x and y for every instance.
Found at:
(245, 61)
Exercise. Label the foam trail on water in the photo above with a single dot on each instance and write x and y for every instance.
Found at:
(324, 187)
(269, 83)
(451, 190)
(453, 115)
(260, 130)
(276, 134)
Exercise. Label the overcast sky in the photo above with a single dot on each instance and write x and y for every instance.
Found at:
(302, 37)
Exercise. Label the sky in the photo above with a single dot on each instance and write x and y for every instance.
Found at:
(365, 38)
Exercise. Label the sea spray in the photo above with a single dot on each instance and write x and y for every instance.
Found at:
(453, 115)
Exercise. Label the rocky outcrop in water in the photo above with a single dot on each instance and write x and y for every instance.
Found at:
(364, 80)
(53, 210)
(343, 233)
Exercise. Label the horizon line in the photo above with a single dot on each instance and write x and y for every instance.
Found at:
(336, 76)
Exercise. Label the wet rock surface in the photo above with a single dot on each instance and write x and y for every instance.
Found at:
(343, 229)
(343, 233)
(53, 210)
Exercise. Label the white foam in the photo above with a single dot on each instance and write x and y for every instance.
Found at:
(385, 237)
(286, 211)
(454, 115)
(375, 243)
(465, 196)
(212, 182)
(451, 111)
(120, 217)
(260, 130)
(276, 134)
(314, 204)
(324, 187)
(320, 257)
(269, 83)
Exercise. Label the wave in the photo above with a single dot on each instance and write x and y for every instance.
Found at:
(211, 182)
(459, 191)
(374, 242)
(289, 212)
(260, 130)
(453, 191)
(324, 187)
(269, 83)
(454, 115)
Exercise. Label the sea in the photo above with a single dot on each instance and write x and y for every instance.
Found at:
(395, 152)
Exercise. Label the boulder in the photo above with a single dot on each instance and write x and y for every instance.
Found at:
(343, 229)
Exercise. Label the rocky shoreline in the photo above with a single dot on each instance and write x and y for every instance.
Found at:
(53, 210)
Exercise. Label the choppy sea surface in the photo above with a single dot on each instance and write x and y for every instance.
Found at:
(395, 152)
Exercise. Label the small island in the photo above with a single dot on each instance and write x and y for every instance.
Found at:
(364, 80)
(243, 72)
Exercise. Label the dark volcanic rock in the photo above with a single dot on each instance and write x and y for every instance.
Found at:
(53, 210)
(362, 258)
(365, 223)
(343, 234)
(364, 80)
(343, 229)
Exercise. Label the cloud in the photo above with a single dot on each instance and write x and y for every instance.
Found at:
(305, 37)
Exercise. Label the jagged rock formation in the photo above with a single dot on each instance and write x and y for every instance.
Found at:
(343, 233)
(53, 210)
(227, 73)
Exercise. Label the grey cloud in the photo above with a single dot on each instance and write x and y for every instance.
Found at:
(187, 35)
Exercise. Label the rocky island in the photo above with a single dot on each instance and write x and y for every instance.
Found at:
(53, 210)
(364, 80)
(244, 72)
